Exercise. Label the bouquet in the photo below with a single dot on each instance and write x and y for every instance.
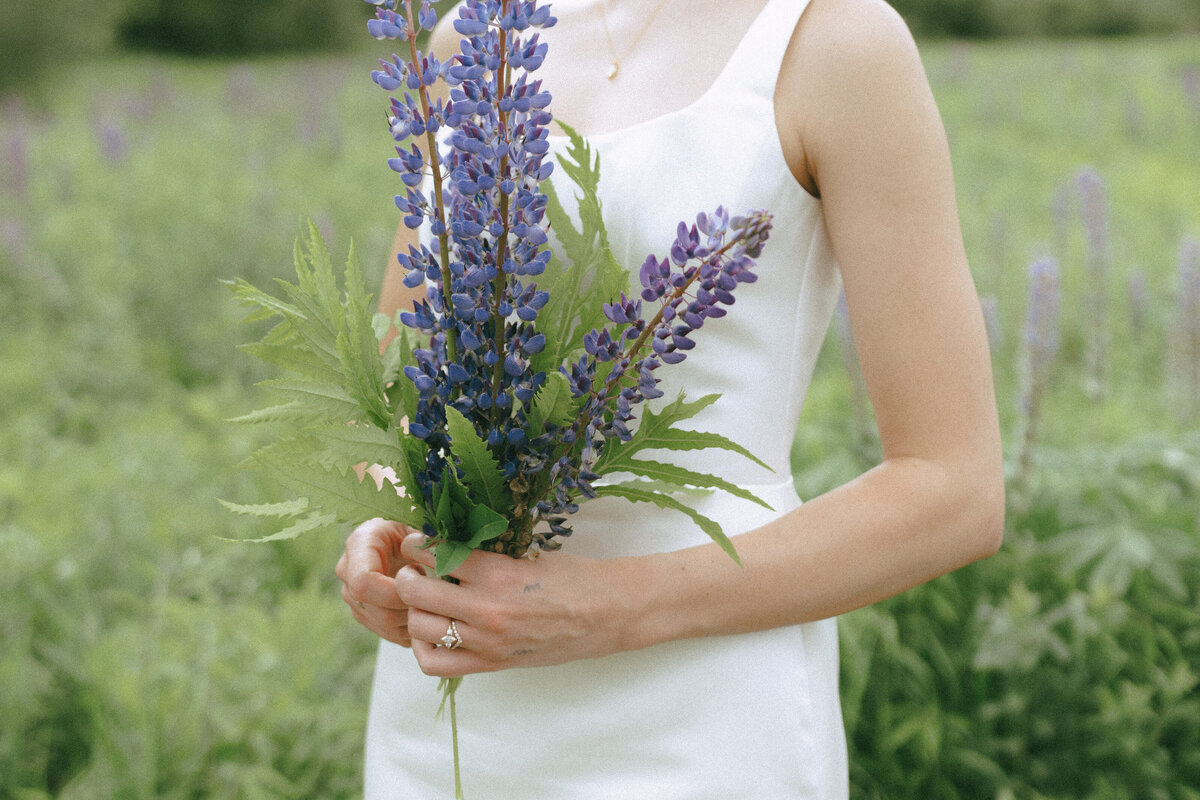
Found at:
(508, 396)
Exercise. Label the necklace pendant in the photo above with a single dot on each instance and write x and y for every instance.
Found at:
(612, 71)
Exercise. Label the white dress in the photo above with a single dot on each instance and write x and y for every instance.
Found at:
(748, 716)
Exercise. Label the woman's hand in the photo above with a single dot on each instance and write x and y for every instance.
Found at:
(512, 612)
(367, 570)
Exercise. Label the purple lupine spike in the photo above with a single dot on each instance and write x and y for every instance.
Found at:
(1190, 78)
(1041, 324)
(1093, 204)
(1139, 301)
(1185, 334)
(1041, 347)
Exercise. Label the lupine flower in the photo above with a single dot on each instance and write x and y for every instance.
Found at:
(471, 168)
(114, 144)
(15, 154)
(1185, 349)
(1191, 86)
(1041, 348)
(1093, 206)
(1139, 302)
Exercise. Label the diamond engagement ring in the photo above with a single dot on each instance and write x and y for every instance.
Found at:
(451, 640)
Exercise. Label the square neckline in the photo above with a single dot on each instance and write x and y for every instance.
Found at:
(722, 77)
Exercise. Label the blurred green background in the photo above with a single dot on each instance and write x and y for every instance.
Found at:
(150, 149)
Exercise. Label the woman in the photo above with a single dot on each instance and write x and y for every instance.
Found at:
(655, 666)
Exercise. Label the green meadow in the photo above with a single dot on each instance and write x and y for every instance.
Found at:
(143, 655)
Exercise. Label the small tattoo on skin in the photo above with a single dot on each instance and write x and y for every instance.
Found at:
(532, 587)
(522, 652)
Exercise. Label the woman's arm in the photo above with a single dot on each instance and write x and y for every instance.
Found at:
(858, 122)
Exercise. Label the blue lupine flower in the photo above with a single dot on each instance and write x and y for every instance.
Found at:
(487, 214)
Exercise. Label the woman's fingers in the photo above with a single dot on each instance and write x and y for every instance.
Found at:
(366, 568)
(372, 556)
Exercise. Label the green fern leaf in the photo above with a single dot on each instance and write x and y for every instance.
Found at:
(358, 347)
(592, 276)
(552, 403)
(657, 431)
(669, 473)
(295, 411)
(480, 471)
(638, 493)
(312, 522)
(289, 508)
(293, 358)
(345, 496)
(329, 400)
(366, 442)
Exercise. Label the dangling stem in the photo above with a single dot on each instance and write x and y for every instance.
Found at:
(458, 792)
(449, 687)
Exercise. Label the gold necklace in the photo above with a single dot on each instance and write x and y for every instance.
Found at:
(612, 51)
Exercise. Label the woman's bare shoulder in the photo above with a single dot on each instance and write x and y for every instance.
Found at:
(850, 64)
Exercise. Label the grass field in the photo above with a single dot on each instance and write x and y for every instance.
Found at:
(144, 657)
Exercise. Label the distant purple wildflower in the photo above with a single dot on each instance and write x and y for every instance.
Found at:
(114, 143)
(15, 154)
(1191, 86)
(1093, 206)
(1139, 301)
(1185, 350)
(1041, 348)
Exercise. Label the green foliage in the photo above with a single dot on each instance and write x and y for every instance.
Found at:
(339, 415)
(231, 27)
(981, 18)
(481, 472)
(1057, 668)
(591, 275)
(33, 36)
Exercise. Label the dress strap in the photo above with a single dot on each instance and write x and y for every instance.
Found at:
(755, 63)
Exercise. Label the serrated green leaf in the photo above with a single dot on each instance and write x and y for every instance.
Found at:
(350, 499)
(300, 448)
(363, 442)
(312, 522)
(669, 473)
(415, 455)
(289, 508)
(358, 347)
(403, 393)
(313, 324)
(287, 412)
(250, 294)
(639, 494)
(293, 358)
(591, 275)
(380, 324)
(657, 431)
(480, 471)
(443, 513)
(552, 403)
(327, 398)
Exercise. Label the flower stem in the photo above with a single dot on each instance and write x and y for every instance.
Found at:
(498, 285)
(458, 790)
(449, 686)
(436, 168)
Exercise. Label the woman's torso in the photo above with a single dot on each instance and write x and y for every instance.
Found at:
(752, 715)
